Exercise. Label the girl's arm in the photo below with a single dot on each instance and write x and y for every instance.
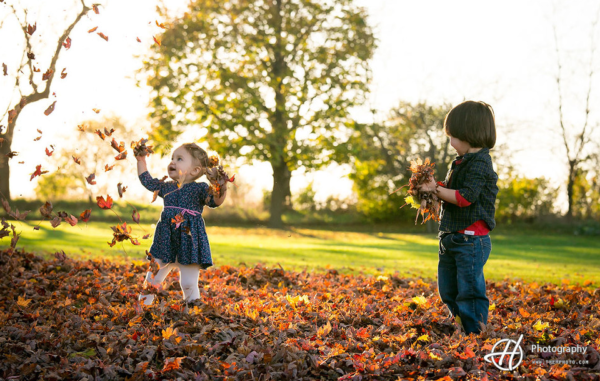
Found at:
(221, 199)
(141, 164)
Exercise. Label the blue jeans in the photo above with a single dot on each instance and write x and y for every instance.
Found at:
(460, 277)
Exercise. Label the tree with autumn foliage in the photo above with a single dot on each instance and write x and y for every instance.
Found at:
(30, 84)
(270, 80)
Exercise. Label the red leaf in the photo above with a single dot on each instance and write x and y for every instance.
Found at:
(85, 215)
(72, 220)
(67, 43)
(90, 179)
(135, 215)
(50, 109)
(49, 153)
(38, 172)
(104, 204)
(137, 38)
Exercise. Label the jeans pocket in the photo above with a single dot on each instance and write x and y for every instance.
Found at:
(460, 239)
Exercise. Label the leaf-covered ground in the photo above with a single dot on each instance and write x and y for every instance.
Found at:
(66, 319)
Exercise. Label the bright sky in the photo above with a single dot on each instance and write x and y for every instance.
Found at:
(501, 52)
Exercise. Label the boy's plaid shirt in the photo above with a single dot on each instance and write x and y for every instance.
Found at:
(475, 180)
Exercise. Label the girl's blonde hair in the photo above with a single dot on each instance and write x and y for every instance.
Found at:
(199, 157)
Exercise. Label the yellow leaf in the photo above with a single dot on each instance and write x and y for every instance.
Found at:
(382, 278)
(419, 300)
(166, 334)
(424, 337)
(492, 307)
(434, 356)
(539, 326)
(23, 302)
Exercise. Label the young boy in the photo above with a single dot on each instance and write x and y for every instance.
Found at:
(467, 213)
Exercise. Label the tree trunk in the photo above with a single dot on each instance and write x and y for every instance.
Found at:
(281, 179)
(570, 185)
(4, 171)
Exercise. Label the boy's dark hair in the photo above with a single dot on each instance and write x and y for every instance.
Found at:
(472, 122)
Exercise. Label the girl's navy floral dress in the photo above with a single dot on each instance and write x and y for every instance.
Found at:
(173, 243)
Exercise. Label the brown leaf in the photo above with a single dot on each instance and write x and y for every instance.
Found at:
(31, 29)
(121, 156)
(90, 179)
(76, 160)
(50, 109)
(108, 168)
(95, 8)
(121, 189)
(11, 154)
(101, 134)
(116, 146)
(135, 215)
(105, 37)
(30, 55)
(46, 210)
(63, 74)
(107, 132)
(85, 215)
(11, 115)
(55, 221)
(4, 68)
(72, 220)
(154, 196)
(22, 103)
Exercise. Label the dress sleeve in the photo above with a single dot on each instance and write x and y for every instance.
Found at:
(151, 183)
(206, 198)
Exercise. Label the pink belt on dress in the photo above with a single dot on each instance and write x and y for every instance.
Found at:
(192, 212)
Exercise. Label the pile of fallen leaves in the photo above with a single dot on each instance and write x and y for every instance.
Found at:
(66, 319)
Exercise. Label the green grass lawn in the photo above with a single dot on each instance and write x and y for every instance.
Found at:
(531, 256)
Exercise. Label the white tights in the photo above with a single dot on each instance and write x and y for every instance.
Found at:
(188, 280)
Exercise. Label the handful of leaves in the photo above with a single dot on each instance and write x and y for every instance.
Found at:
(140, 148)
(426, 202)
(217, 176)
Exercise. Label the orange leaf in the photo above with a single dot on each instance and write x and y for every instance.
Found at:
(105, 37)
(104, 204)
(172, 364)
(156, 40)
(93, 29)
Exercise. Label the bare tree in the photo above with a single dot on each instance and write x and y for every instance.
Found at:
(576, 143)
(25, 73)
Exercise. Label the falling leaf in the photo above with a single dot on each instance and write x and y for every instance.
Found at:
(109, 133)
(55, 221)
(36, 70)
(96, 110)
(137, 38)
(105, 37)
(22, 302)
(38, 172)
(146, 236)
(76, 160)
(90, 179)
(46, 76)
(81, 127)
(4, 68)
(135, 215)
(93, 29)
(121, 189)
(30, 55)
(36, 139)
(121, 156)
(108, 168)
(156, 40)
(161, 25)
(104, 204)
(46, 210)
(48, 152)
(63, 73)
(85, 215)
(116, 146)
(100, 134)
(67, 43)
(154, 196)
(50, 109)
(95, 8)
(11, 154)
(178, 220)
(72, 220)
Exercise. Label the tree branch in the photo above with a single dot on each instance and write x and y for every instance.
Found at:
(560, 101)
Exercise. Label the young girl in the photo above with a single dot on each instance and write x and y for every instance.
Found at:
(180, 239)
(467, 213)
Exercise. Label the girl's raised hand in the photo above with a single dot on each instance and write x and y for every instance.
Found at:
(140, 158)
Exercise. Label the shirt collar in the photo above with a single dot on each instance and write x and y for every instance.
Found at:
(469, 155)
